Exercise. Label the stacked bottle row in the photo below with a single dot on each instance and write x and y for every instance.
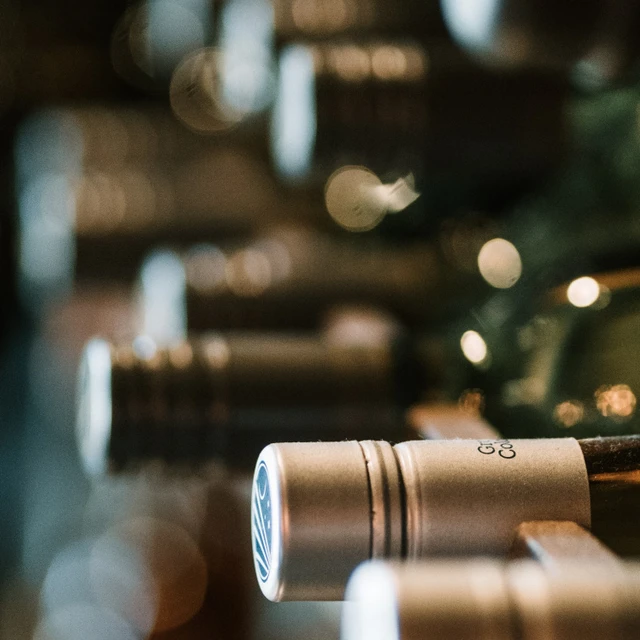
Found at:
(254, 328)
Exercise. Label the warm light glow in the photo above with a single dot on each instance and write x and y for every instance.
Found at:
(474, 347)
(569, 413)
(124, 357)
(499, 263)
(181, 355)
(321, 17)
(359, 326)
(350, 198)
(279, 255)
(615, 401)
(388, 62)
(418, 63)
(358, 200)
(248, 272)
(205, 268)
(583, 292)
(217, 352)
(150, 572)
(351, 63)
(196, 93)
(471, 402)
(124, 201)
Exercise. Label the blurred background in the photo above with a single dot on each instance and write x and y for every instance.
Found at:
(459, 180)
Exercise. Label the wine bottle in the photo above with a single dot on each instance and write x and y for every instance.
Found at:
(399, 108)
(288, 280)
(321, 508)
(596, 43)
(225, 396)
(99, 188)
(485, 599)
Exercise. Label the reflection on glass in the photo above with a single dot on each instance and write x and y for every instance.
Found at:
(164, 283)
(157, 34)
(47, 241)
(293, 122)
(246, 40)
(340, 103)
(472, 22)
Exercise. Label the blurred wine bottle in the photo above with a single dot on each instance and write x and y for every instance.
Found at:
(99, 187)
(441, 599)
(290, 279)
(421, 119)
(251, 33)
(596, 43)
(223, 396)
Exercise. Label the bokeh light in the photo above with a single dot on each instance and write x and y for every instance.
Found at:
(217, 352)
(615, 401)
(181, 355)
(583, 292)
(145, 347)
(196, 94)
(358, 200)
(349, 198)
(568, 413)
(499, 263)
(248, 272)
(162, 294)
(82, 621)
(150, 571)
(359, 325)
(474, 347)
(205, 267)
(247, 67)
(293, 121)
(472, 402)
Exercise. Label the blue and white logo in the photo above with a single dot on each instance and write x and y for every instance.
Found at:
(261, 523)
